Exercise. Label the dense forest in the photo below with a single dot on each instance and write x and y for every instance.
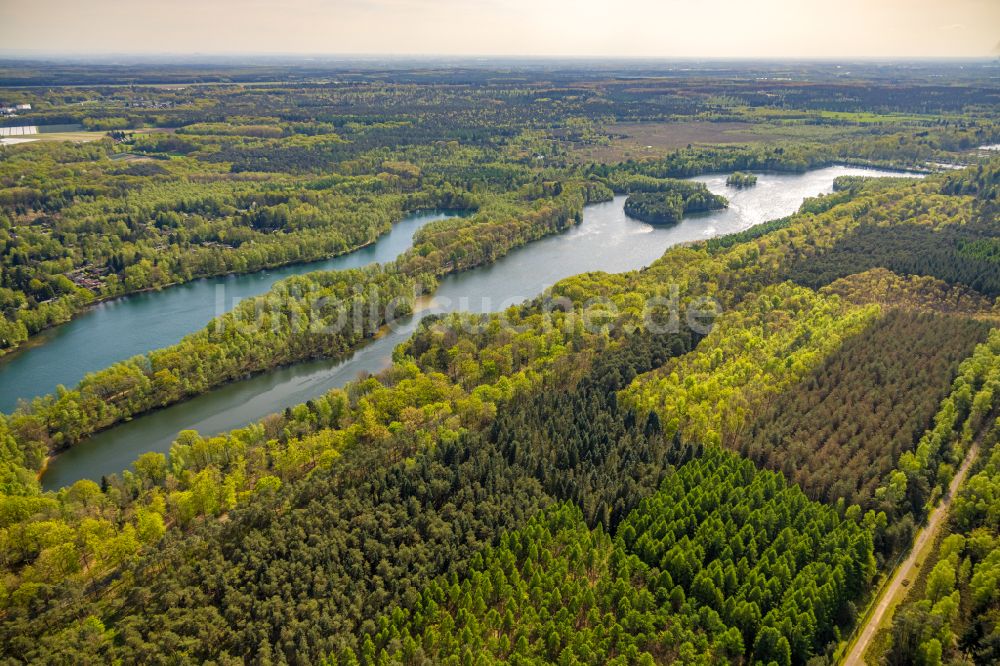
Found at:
(317, 315)
(720, 462)
(251, 177)
(953, 609)
(960, 254)
(964, 254)
(739, 180)
(669, 203)
(722, 563)
(525, 426)
(840, 430)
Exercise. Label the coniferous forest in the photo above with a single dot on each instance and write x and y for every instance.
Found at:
(722, 457)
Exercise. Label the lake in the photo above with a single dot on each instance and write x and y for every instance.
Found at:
(121, 328)
(606, 240)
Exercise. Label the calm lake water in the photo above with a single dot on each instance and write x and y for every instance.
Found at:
(121, 328)
(606, 240)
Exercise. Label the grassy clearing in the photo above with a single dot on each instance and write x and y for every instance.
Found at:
(80, 136)
(654, 140)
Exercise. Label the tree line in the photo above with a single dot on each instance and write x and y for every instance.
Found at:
(289, 538)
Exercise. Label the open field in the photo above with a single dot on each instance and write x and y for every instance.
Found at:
(80, 136)
(652, 140)
(77, 136)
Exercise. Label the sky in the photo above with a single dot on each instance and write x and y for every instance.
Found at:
(627, 28)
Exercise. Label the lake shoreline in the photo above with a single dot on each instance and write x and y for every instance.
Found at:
(7, 354)
(53, 357)
(111, 298)
(420, 304)
(605, 240)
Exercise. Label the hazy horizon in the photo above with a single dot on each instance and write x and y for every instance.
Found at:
(265, 57)
(725, 29)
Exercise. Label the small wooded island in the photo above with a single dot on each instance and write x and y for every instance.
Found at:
(740, 180)
(672, 202)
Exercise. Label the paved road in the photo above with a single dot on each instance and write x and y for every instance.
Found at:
(910, 568)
